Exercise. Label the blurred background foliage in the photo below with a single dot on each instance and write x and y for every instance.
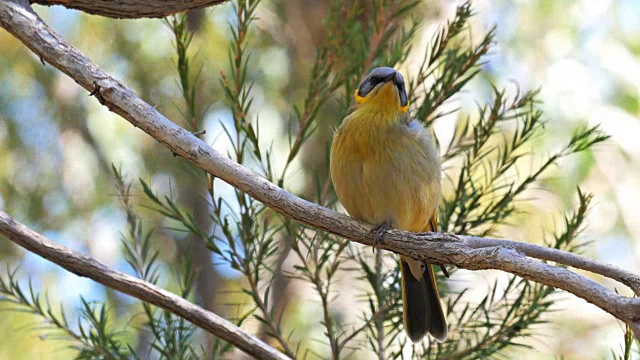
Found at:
(57, 146)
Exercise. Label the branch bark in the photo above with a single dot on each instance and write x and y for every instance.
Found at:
(88, 267)
(463, 251)
(131, 9)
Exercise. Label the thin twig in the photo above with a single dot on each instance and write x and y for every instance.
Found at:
(367, 323)
(273, 327)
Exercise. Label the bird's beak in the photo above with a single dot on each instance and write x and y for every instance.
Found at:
(399, 84)
(391, 76)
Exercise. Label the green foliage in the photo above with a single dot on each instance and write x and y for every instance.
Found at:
(627, 345)
(171, 336)
(508, 313)
(92, 335)
(449, 65)
(178, 25)
(486, 184)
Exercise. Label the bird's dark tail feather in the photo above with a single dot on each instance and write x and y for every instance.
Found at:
(422, 309)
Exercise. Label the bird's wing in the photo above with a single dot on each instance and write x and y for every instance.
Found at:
(422, 135)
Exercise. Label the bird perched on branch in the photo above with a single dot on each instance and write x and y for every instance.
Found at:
(386, 171)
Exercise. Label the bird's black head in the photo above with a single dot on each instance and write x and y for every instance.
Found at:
(378, 77)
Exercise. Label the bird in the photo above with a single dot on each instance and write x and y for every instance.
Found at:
(386, 171)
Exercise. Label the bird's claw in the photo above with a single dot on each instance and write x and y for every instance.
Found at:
(444, 271)
(378, 232)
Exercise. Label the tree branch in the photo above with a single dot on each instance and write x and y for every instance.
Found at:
(131, 9)
(85, 266)
(561, 257)
(463, 251)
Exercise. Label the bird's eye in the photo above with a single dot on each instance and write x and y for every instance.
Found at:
(373, 81)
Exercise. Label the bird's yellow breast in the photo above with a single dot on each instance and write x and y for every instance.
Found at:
(384, 170)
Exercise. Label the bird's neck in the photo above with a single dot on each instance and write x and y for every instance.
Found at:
(368, 129)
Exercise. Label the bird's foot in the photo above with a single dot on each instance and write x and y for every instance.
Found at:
(378, 232)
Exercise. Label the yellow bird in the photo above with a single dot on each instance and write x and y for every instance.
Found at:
(386, 171)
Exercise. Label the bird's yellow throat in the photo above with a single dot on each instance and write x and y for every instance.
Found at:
(385, 100)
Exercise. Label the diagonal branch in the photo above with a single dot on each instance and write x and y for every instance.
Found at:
(131, 9)
(561, 257)
(463, 251)
(85, 266)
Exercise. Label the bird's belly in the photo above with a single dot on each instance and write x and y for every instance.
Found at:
(396, 185)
